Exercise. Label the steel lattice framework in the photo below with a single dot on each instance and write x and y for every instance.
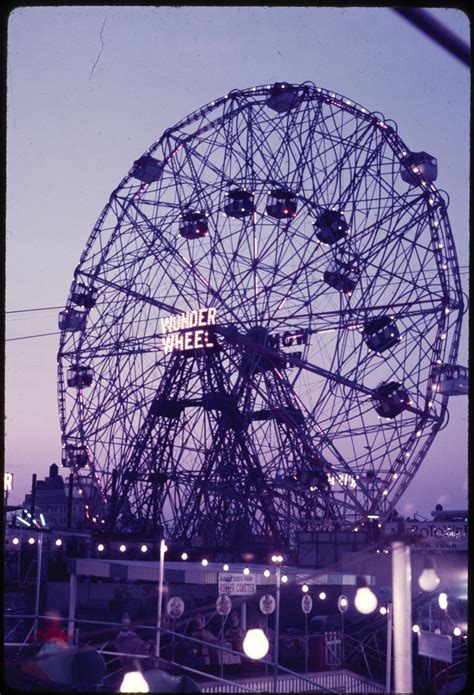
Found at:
(319, 252)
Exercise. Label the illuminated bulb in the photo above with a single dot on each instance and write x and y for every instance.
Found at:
(255, 644)
(144, 548)
(58, 542)
(100, 547)
(443, 601)
(416, 628)
(284, 578)
(246, 570)
(365, 600)
(305, 588)
(165, 547)
(15, 541)
(266, 573)
(383, 610)
(437, 631)
(31, 541)
(123, 548)
(428, 579)
(226, 567)
(184, 556)
(274, 558)
(322, 595)
(385, 492)
(457, 632)
(395, 476)
(134, 682)
(204, 562)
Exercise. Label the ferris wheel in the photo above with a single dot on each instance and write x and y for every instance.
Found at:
(256, 333)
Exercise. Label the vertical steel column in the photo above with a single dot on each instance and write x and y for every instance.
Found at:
(401, 597)
(160, 597)
(277, 630)
(388, 670)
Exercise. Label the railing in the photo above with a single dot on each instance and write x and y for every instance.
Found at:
(341, 681)
(327, 681)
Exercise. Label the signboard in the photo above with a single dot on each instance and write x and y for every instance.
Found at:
(306, 604)
(435, 535)
(236, 584)
(175, 607)
(342, 603)
(223, 604)
(267, 604)
(192, 330)
(7, 482)
(435, 646)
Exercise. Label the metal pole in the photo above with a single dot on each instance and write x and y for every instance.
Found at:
(69, 501)
(342, 639)
(222, 646)
(72, 607)
(306, 642)
(160, 597)
(38, 581)
(33, 495)
(277, 630)
(401, 586)
(388, 671)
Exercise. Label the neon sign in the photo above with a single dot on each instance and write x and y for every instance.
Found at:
(190, 330)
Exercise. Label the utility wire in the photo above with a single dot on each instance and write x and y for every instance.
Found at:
(41, 308)
(38, 335)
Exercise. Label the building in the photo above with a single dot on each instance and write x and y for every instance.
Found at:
(51, 500)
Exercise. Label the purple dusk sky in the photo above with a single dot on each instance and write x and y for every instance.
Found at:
(90, 88)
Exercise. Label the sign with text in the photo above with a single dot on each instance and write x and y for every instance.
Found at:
(7, 482)
(435, 535)
(236, 584)
(191, 330)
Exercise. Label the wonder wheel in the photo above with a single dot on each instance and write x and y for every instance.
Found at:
(255, 334)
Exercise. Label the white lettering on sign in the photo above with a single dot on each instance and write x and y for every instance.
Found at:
(236, 584)
(187, 331)
(342, 479)
(7, 482)
(435, 535)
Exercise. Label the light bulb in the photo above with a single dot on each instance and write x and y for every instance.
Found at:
(255, 644)
(204, 562)
(184, 556)
(305, 588)
(365, 600)
(266, 573)
(428, 579)
(134, 682)
(443, 601)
